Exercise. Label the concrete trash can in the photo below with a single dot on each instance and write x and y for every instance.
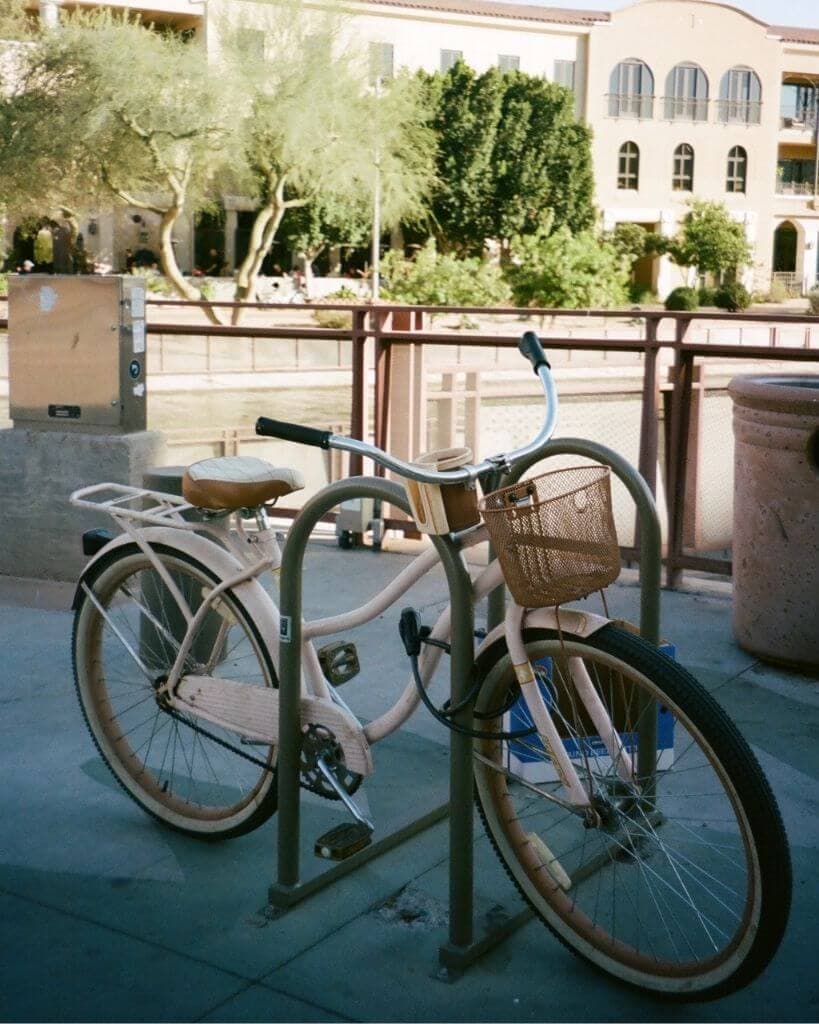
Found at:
(776, 518)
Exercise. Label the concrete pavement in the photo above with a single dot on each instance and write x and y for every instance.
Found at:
(105, 915)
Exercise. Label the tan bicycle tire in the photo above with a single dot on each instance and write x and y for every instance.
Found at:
(767, 876)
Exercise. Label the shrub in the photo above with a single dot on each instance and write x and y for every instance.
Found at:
(813, 299)
(707, 296)
(440, 279)
(733, 297)
(336, 319)
(778, 292)
(4, 285)
(641, 295)
(566, 271)
(682, 300)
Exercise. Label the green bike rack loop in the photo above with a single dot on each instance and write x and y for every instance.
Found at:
(287, 891)
(463, 948)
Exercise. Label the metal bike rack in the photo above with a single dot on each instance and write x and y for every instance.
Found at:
(463, 947)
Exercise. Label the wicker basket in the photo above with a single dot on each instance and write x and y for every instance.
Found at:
(554, 535)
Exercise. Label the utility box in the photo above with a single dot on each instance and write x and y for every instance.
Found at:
(77, 353)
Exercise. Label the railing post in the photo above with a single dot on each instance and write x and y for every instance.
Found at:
(649, 417)
(358, 413)
(678, 451)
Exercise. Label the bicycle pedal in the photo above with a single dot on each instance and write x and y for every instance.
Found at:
(339, 662)
(343, 841)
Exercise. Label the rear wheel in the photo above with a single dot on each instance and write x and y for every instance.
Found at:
(684, 891)
(196, 777)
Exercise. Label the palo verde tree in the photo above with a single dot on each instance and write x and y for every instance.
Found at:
(108, 109)
(509, 151)
(316, 132)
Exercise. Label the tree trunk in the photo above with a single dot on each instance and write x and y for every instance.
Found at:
(264, 231)
(170, 268)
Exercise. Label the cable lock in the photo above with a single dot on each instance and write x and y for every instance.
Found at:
(413, 635)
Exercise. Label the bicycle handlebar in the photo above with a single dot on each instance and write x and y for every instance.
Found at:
(293, 432)
(529, 346)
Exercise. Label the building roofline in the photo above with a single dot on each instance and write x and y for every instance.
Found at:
(579, 18)
(793, 34)
(500, 9)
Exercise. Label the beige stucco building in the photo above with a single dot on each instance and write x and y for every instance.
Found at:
(687, 98)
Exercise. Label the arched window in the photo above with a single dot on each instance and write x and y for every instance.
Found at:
(686, 94)
(737, 178)
(631, 90)
(628, 166)
(682, 180)
(740, 97)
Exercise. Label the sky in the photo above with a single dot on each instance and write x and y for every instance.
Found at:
(804, 13)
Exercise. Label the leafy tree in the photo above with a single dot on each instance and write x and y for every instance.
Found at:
(467, 109)
(630, 241)
(509, 151)
(326, 222)
(315, 132)
(710, 240)
(442, 279)
(559, 270)
(109, 109)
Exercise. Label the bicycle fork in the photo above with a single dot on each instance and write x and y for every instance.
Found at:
(541, 716)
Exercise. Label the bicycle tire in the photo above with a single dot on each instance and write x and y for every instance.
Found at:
(179, 770)
(709, 860)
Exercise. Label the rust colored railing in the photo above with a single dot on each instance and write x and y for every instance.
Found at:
(389, 325)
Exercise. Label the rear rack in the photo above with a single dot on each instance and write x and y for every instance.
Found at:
(136, 503)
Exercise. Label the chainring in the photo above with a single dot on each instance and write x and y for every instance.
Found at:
(318, 741)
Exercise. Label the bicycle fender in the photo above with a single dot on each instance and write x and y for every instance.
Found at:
(251, 593)
(572, 622)
(316, 709)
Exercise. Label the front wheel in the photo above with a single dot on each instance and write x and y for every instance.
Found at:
(682, 886)
(196, 777)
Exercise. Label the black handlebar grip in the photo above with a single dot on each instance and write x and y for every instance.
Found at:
(293, 432)
(530, 347)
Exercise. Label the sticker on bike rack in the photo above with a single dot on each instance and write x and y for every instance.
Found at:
(284, 629)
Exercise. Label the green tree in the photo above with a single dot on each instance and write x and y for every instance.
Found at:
(326, 222)
(559, 270)
(710, 240)
(109, 109)
(509, 152)
(317, 133)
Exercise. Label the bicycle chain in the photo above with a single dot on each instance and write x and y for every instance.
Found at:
(306, 783)
(216, 739)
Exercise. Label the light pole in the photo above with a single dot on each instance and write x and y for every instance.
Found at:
(375, 258)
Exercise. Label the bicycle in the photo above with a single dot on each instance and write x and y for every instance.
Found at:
(676, 879)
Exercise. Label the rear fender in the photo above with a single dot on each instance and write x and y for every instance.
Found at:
(251, 593)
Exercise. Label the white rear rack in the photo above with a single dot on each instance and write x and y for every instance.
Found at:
(145, 506)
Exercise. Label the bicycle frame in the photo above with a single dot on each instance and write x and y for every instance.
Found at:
(263, 554)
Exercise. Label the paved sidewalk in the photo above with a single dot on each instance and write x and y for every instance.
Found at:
(106, 916)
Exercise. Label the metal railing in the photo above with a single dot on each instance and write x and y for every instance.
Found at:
(648, 341)
(630, 105)
(795, 188)
(739, 112)
(685, 108)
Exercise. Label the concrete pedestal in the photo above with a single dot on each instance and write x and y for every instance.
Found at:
(40, 532)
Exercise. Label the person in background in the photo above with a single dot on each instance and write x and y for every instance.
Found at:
(215, 264)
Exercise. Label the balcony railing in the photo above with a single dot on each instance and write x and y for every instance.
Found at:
(799, 120)
(629, 105)
(795, 188)
(685, 109)
(740, 112)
